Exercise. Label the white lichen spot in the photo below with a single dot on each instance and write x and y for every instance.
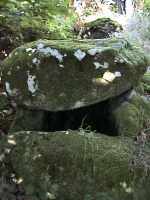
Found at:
(36, 61)
(53, 52)
(37, 156)
(50, 196)
(7, 150)
(8, 89)
(89, 33)
(45, 51)
(12, 141)
(85, 36)
(117, 74)
(57, 54)
(18, 67)
(126, 188)
(78, 104)
(28, 49)
(33, 50)
(106, 65)
(40, 46)
(16, 53)
(121, 60)
(109, 76)
(66, 132)
(32, 83)
(148, 69)
(79, 54)
(117, 60)
(62, 66)
(92, 52)
(19, 180)
(9, 73)
(97, 65)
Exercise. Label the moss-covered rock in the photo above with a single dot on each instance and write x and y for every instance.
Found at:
(100, 28)
(63, 75)
(131, 114)
(28, 120)
(72, 165)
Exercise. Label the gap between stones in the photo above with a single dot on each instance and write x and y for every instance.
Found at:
(95, 117)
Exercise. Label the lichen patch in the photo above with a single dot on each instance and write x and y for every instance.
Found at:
(98, 65)
(61, 66)
(118, 74)
(9, 73)
(32, 83)
(109, 76)
(53, 52)
(148, 69)
(92, 52)
(36, 61)
(8, 88)
(79, 54)
(40, 45)
(106, 65)
(79, 104)
(30, 50)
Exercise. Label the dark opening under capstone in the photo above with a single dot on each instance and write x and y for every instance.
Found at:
(95, 117)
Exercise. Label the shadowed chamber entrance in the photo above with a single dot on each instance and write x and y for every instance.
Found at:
(95, 117)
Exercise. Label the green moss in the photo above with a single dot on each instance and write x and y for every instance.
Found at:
(3, 102)
(99, 28)
(85, 45)
(128, 119)
(132, 115)
(102, 22)
(72, 165)
(143, 105)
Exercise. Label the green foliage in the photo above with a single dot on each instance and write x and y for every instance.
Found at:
(147, 4)
(47, 16)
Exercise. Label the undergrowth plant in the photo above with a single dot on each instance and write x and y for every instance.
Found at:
(52, 17)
